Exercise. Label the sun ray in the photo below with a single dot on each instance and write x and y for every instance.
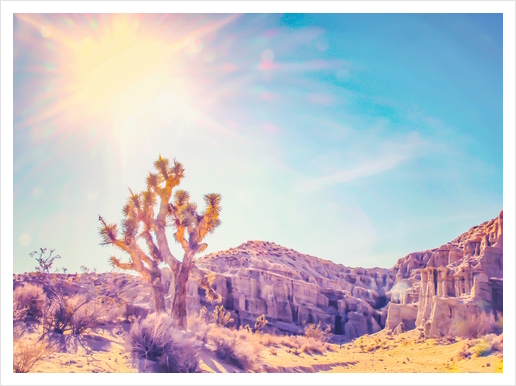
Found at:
(108, 66)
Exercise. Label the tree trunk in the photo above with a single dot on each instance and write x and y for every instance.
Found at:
(179, 305)
(157, 289)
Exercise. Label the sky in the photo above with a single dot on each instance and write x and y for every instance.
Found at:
(357, 138)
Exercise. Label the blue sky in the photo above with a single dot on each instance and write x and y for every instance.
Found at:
(357, 138)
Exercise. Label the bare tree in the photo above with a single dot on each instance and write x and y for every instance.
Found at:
(176, 210)
(45, 263)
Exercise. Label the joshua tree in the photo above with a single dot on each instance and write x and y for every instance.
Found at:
(173, 210)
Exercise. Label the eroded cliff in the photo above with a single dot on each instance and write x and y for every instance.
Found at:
(426, 289)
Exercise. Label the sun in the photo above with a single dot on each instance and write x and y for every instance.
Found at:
(122, 61)
(100, 69)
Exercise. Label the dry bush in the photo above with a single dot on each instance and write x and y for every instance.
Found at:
(83, 317)
(290, 342)
(234, 352)
(219, 316)
(26, 354)
(19, 312)
(312, 346)
(155, 338)
(474, 326)
(317, 332)
(260, 323)
(269, 340)
(28, 301)
(237, 347)
(486, 345)
(309, 345)
(75, 314)
(296, 351)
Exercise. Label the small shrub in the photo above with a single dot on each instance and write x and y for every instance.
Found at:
(268, 340)
(273, 351)
(317, 332)
(260, 323)
(27, 354)
(75, 314)
(482, 349)
(233, 352)
(237, 348)
(312, 346)
(474, 326)
(499, 323)
(28, 301)
(203, 314)
(44, 263)
(296, 351)
(83, 318)
(155, 338)
(220, 317)
(19, 312)
(486, 345)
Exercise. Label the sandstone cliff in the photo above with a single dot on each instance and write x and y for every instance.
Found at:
(428, 289)
(291, 289)
(435, 288)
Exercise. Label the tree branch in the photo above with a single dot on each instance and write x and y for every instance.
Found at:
(153, 249)
(205, 280)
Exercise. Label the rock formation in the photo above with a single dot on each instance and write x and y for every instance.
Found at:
(292, 289)
(428, 289)
(449, 283)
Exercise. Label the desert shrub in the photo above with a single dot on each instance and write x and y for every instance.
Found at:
(499, 323)
(238, 348)
(474, 325)
(296, 351)
(220, 317)
(44, 263)
(290, 341)
(313, 346)
(75, 314)
(203, 314)
(486, 345)
(482, 349)
(19, 312)
(232, 351)
(309, 345)
(269, 340)
(28, 301)
(83, 317)
(317, 332)
(260, 323)
(26, 354)
(155, 338)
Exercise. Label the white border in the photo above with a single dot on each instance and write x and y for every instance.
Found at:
(7, 11)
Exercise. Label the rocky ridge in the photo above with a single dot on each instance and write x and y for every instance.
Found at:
(428, 289)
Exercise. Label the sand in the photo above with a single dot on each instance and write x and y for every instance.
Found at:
(103, 351)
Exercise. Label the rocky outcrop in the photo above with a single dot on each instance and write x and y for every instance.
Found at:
(401, 313)
(428, 289)
(292, 289)
(456, 280)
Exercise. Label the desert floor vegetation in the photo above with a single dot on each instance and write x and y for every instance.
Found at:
(94, 323)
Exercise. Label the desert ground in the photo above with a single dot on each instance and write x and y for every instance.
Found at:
(104, 351)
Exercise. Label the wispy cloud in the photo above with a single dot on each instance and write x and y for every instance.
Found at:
(311, 65)
(391, 155)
